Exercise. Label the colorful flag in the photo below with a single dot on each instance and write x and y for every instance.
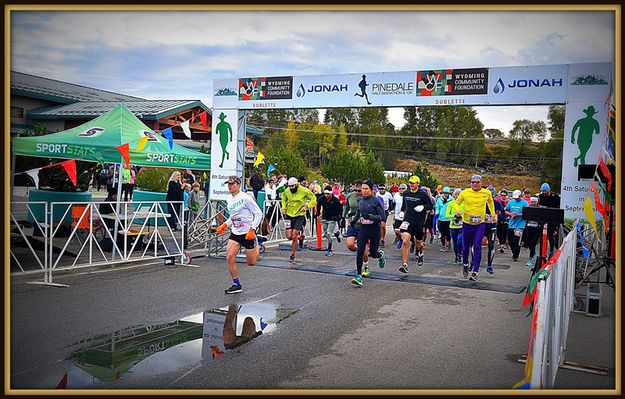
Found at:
(70, 168)
(125, 151)
(249, 146)
(600, 208)
(169, 134)
(270, 169)
(606, 172)
(63, 383)
(203, 119)
(142, 142)
(34, 174)
(590, 215)
(259, 159)
(185, 128)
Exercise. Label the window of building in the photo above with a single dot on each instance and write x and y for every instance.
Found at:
(17, 112)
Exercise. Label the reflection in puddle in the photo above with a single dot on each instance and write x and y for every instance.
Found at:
(139, 354)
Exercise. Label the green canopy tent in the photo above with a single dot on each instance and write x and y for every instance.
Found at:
(96, 141)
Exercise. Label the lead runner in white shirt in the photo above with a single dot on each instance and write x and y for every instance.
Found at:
(245, 217)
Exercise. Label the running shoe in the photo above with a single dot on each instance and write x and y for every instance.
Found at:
(403, 268)
(338, 236)
(529, 263)
(234, 289)
(382, 244)
(420, 259)
(473, 276)
(515, 259)
(329, 253)
(399, 244)
(501, 249)
(443, 249)
(489, 270)
(465, 270)
(396, 240)
(365, 272)
(292, 258)
(382, 260)
(357, 280)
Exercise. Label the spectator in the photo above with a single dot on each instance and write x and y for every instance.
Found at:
(257, 183)
(194, 201)
(174, 193)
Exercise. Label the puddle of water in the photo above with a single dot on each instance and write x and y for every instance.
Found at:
(142, 353)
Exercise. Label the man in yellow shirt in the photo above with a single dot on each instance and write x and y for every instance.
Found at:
(475, 200)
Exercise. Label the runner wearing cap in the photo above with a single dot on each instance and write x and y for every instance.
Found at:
(550, 200)
(398, 200)
(416, 205)
(475, 200)
(443, 221)
(516, 223)
(296, 200)
(245, 217)
(329, 207)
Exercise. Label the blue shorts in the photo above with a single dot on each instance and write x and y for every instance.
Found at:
(352, 232)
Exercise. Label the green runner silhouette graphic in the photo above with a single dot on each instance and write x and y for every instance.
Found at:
(224, 130)
(586, 127)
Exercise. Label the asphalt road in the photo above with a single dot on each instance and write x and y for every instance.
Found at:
(433, 330)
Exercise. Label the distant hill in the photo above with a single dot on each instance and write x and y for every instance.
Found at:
(458, 176)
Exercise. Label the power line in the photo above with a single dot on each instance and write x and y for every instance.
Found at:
(420, 151)
(402, 137)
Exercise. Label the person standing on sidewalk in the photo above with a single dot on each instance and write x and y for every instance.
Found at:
(329, 207)
(245, 217)
(516, 223)
(417, 204)
(370, 214)
(475, 200)
(296, 201)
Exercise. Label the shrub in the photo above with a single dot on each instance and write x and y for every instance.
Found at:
(153, 179)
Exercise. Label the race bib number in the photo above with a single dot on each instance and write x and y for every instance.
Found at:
(518, 232)
(532, 224)
(404, 226)
(488, 218)
(287, 223)
(366, 221)
(475, 219)
(237, 223)
(457, 222)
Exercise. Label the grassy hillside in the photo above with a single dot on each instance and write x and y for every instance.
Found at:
(459, 176)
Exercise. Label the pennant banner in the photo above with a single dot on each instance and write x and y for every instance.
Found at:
(259, 159)
(203, 119)
(249, 146)
(70, 168)
(169, 134)
(590, 215)
(125, 151)
(34, 174)
(600, 207)
(185, 128)
(270, 169)
(606, 172)
(142, 142)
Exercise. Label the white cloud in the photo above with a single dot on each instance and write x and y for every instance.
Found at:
(169, 54)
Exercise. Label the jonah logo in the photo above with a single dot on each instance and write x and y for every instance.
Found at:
(91, 132)
(301, 91)
(499, 87)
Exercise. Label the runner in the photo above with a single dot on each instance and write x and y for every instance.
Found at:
(516, 223)
(502, 220)
(455, 226)
(550, 200)
(386, 199)
(416, 205)
(370, 214)
(475, 200)
(429, 218)
(490, 230)
(443, 221)
(296, 200)
(245, 217)
(329, 207)
(349, 213)
(533, 230)
(398, 199)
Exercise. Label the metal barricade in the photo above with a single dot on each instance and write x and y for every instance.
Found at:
(29, 220)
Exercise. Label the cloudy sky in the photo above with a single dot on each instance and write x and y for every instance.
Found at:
(177, 54)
